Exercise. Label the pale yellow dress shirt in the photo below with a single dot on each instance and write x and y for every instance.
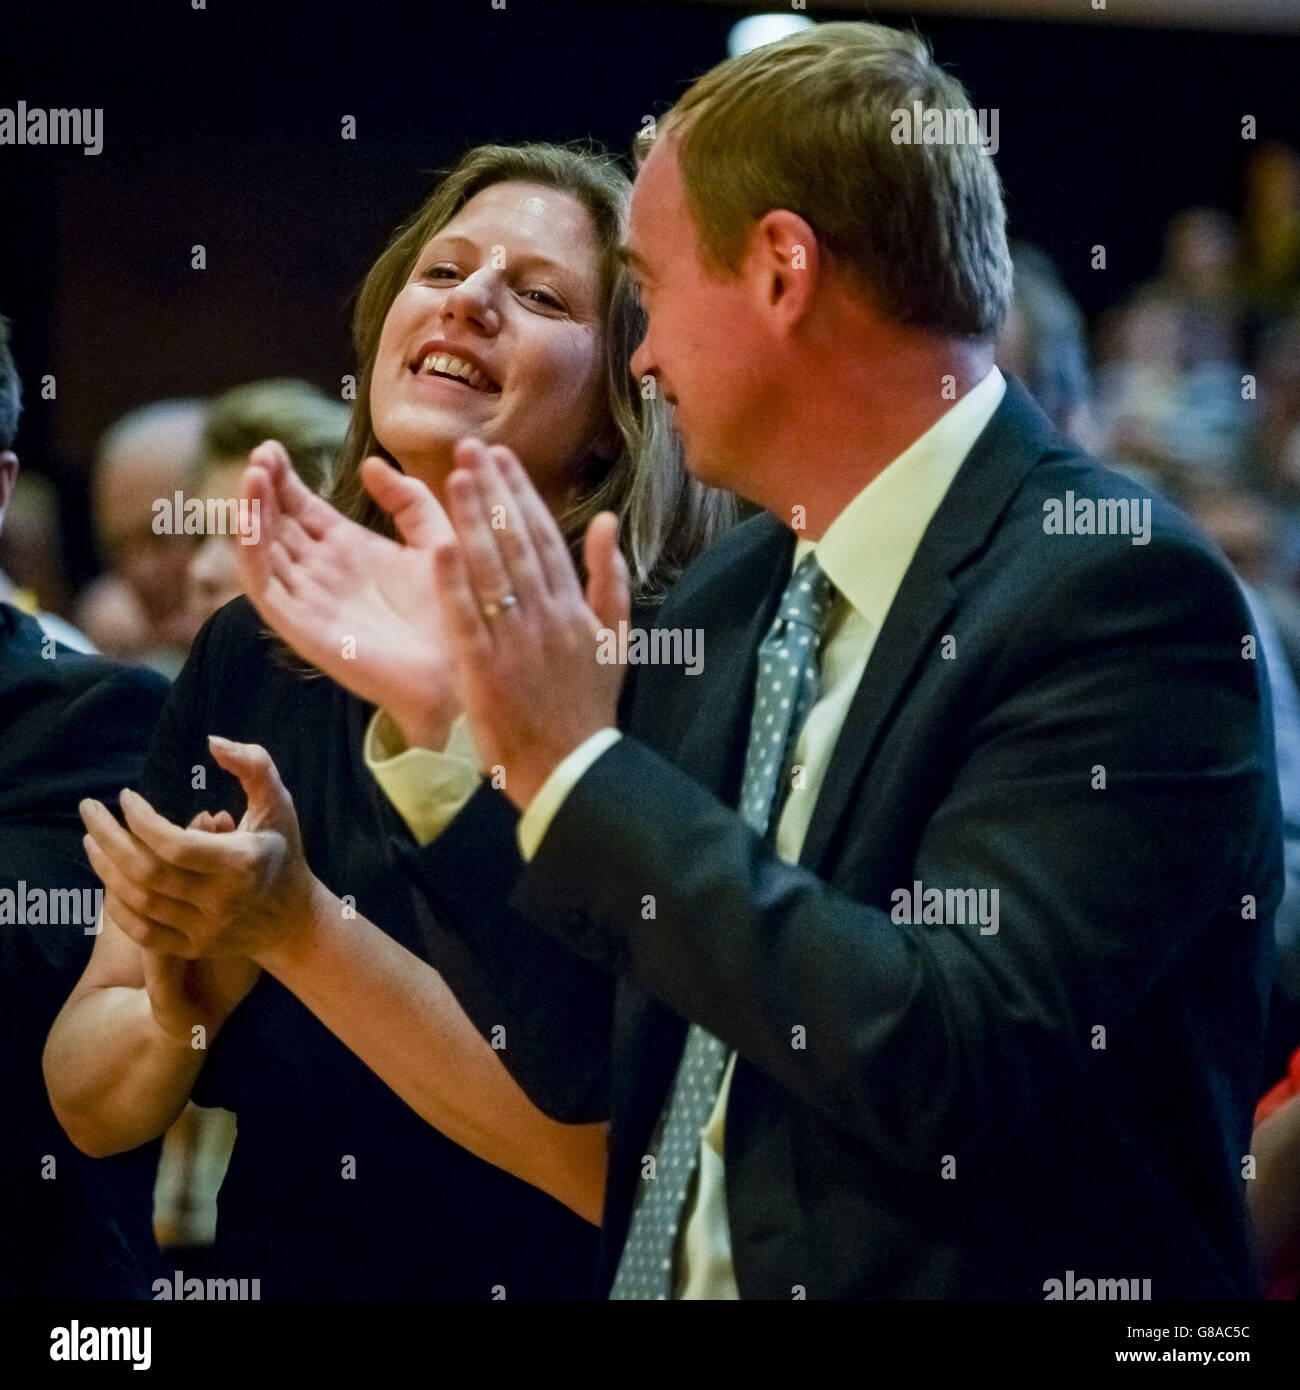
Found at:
(865, 553)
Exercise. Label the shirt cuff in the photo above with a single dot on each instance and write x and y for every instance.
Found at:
(540, 812)
(426, 787)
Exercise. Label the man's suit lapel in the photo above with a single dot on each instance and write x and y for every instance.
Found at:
(1010, 445)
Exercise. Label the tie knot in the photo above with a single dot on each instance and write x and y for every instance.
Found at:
(808, 596)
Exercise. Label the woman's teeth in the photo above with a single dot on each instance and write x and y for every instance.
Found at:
(442, 364)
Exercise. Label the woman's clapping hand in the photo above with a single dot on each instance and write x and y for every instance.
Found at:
(358, 606)
(226, 895)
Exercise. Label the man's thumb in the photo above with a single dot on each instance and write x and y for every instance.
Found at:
(251, 763)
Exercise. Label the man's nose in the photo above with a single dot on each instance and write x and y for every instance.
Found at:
(642, 364)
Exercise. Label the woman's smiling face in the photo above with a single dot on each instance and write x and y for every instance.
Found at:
(497, 335)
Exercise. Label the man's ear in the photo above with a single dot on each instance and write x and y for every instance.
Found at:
(8, 477)
(788, 262)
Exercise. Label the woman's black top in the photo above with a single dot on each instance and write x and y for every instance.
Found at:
(336, 1188)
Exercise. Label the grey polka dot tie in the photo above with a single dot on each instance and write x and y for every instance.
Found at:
(785, 689)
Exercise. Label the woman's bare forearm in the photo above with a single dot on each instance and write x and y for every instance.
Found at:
(397, 1014)
(115, 1079)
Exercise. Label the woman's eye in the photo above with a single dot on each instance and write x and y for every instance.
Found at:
(544, 297)
(441, 272)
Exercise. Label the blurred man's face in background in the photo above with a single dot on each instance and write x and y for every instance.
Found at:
(213, 574)
(152, 461)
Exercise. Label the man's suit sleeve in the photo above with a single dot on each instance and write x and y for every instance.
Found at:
(79, 733)
(500, 966)
(932, 1039)
(498, 963)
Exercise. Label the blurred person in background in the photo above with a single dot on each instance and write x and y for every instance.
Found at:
(31, 553)
(1171, 397)
(137, 611)
(71, 725)
(1270, 251)
(1184, 423)
(311, 428)
(1198, 278)
(1275, 444)
(1138, 385)
(1277, 439)
(31, 569)
(1250, 528)
(1045, 343)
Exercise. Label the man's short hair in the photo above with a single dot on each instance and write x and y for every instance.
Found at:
(186, 415)
(11, 390)
(309, 425)
(807, 124)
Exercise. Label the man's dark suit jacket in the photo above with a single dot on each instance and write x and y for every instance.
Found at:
(969, 1115)
(71, 726)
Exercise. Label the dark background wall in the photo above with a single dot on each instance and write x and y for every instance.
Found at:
(223, 127)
